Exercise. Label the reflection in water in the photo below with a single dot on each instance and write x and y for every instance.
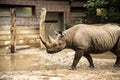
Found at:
(25, 62)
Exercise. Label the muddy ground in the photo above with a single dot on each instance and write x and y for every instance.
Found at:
(103, 70)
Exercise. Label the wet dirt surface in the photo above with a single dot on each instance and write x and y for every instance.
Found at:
(56, 67)
(63, 74)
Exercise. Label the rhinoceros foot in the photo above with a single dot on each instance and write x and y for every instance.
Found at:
(91, 66)
(73, 68)
(116, 65)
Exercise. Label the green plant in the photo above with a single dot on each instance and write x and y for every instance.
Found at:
(112, 13)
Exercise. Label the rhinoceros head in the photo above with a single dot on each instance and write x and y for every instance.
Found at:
(54, 45)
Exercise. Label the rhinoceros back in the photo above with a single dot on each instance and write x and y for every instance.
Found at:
(105, 38)
(97, 38)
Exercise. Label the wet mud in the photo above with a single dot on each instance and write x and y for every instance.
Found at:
(36, 64)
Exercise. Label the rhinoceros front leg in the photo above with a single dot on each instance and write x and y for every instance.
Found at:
(78, 55)
(89, 58)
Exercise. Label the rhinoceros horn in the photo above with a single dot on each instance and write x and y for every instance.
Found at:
(44, 42)
(50, 39)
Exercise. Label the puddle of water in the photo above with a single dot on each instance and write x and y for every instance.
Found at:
(21, 62)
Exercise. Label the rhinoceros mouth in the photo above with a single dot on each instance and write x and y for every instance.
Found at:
(52, 52)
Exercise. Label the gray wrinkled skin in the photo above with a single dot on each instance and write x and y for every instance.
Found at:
(85, 39)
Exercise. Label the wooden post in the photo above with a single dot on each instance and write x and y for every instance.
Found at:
(42, 25)
(13, 30)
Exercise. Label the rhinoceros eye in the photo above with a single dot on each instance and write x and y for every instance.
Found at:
(55, 45)
(60, 44)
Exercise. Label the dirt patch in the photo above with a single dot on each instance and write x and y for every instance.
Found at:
(63, 74)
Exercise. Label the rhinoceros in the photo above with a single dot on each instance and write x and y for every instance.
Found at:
(85, 39)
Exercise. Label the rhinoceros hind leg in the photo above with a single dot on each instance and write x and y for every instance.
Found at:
(117, 53)
(117, 63)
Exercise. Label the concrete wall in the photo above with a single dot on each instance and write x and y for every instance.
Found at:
(28, 27)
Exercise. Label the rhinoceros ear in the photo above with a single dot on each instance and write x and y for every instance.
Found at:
(60, 32)
(60, 36)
